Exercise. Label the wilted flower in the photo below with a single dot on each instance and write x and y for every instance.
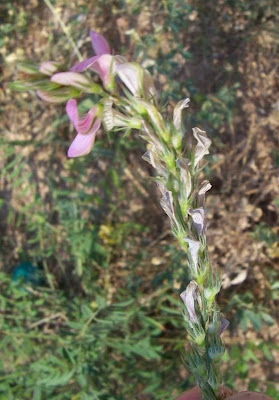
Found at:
(177, 113)
(185, 175)
(149, 156)
(167, 205)
(152, 158)
(188, 297)
(202, 145)
(86, 128)
(194, 247)
(205, 186)
(148, 135)
(197, 215)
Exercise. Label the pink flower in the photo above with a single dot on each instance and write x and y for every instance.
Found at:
(86, 128)
(102, 63)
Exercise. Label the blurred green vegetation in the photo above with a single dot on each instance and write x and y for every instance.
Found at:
(103, 319)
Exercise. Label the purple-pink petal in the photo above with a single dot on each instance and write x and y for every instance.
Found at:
(70, 79)
(72, 111)
(83, 65)
(82, 144)
(103, 65)
(99, 44)
(84, 124)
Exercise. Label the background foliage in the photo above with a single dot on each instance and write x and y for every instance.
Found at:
(90, 276)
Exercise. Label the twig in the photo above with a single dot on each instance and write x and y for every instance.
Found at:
(65, 29)
(47, 319)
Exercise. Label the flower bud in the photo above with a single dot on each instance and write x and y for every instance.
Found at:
(76, 80)
(28, 68)
(169, 160)
(216, 352)
(155, 118)
(198, 336)
(214, 380)
(213, 288)
(48, 67)
(210, 294)
(176, 140)
(59, 95)
(196, 364)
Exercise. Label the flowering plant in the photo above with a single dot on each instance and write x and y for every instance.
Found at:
(128, 100)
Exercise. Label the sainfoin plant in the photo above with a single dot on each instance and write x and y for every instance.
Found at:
(128, 100)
